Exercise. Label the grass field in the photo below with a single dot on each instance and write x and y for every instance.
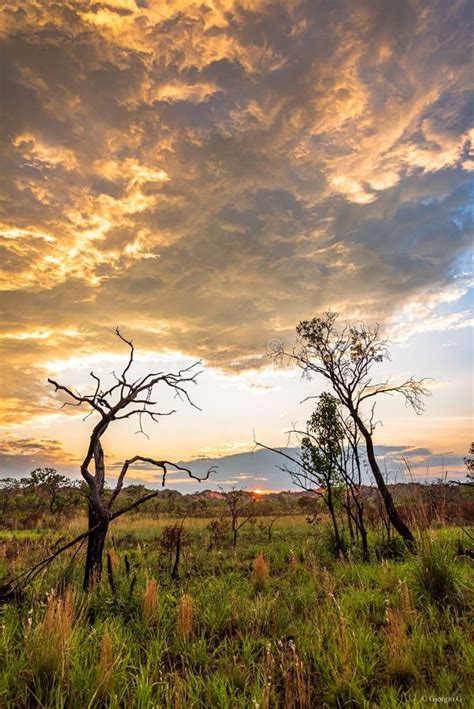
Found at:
(271, 624)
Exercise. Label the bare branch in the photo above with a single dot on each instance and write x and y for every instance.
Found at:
(163, 464)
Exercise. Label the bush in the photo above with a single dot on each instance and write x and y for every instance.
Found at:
(394, 549)
(346, 695)
(436, 579)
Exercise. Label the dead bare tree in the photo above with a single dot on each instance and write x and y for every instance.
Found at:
(345, 357)
(124, 399)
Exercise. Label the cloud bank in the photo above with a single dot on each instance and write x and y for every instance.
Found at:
(208, 173)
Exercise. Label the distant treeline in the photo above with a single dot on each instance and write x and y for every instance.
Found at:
(46, 498)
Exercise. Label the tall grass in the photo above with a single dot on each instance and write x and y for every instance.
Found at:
(48, 644)
(323, 632)
(106, 664)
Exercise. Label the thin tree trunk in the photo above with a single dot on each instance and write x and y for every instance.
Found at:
(175, 571)
(110, 574)
(334, 521)
(392, 511)
(349, 521)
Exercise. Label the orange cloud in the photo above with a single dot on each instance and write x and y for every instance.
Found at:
(210, 172)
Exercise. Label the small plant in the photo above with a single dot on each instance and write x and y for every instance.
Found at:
(392, 548)
(260, 572)
(292, 562)
(346, 695)
(185, 617)
(218, 530)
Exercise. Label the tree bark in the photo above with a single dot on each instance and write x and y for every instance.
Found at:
(175, 571)
(337, 537)
(95, 548)
(392, 511)
(99, 521)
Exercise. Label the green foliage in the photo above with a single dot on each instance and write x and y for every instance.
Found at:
(321, 448)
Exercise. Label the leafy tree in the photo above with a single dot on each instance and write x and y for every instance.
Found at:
(8, 491)
(321, 450)
(241, 509)
(59, 490)
(345, 357)
(469, 463)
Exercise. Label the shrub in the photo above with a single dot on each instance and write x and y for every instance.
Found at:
(394, 549)
(435, 577)
(218, 530)
(346, 695)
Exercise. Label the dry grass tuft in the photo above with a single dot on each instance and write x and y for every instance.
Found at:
(114, 560)
(150, 602)
(285, 671)
(327, 581)
(399, 659)
(292, 562)
(106, 665)
(185, 617)
(261, 572)
(48, 644)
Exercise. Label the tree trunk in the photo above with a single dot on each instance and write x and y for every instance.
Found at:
(349, 520)
(392, 511)
(365, 546)
(363, 532)
(95, 548)
(332, 512)
(175, 571)
(97, 516)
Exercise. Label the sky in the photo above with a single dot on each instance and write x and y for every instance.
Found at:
(207, 173)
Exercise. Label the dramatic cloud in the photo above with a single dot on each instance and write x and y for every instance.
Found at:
(22, 455)
(208, 172)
